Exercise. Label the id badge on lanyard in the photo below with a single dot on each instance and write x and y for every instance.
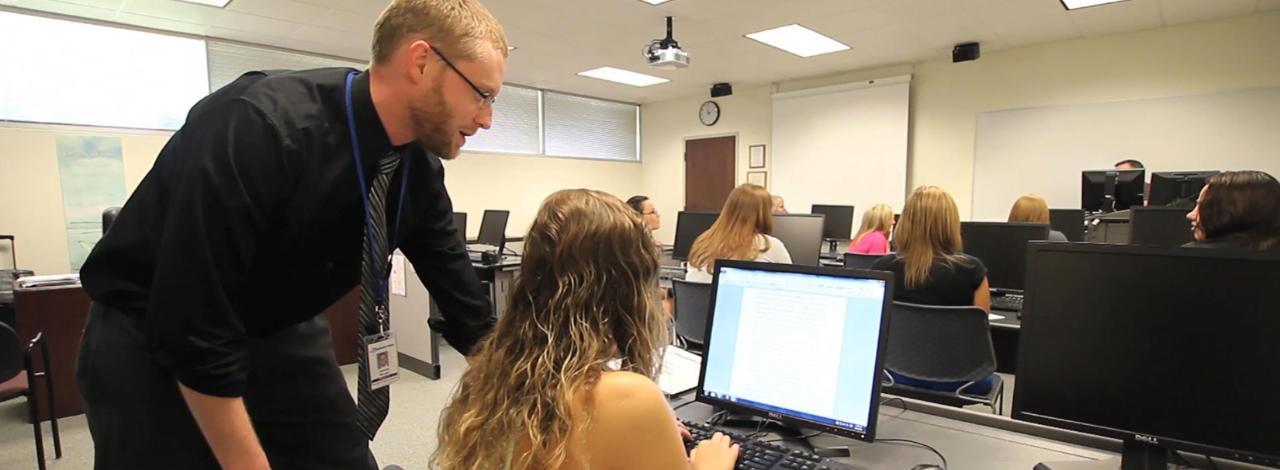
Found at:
(380, 348)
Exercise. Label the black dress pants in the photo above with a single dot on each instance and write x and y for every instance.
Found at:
(296, 397)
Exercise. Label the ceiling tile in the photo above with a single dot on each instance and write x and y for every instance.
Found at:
(163, 24)
(103, 12)
(252, 23)
(1189, 11)
(343, 20)
(1130, 15)
(172, 10)
(1268, 5)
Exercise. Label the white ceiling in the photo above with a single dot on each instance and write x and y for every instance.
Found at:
(558, 38)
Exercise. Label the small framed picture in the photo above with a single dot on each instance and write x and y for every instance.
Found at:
(757, 156)
(760, 178)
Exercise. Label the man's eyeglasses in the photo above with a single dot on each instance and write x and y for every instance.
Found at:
(486, 98)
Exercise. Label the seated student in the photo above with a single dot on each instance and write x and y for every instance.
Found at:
(648, 212)
(539, 394)
(1239, 209)
(1033, 209)
(779, 205)
(741, 233)
(873, 236)
(930, 267)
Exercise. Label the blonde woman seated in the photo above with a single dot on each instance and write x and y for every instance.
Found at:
(930, 267)
(1033, 209)
(741, 233)
(873, 236)
(539, 394)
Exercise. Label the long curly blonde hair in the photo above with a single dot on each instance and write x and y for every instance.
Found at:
(587, 294)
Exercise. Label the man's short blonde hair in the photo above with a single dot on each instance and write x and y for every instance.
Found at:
(460, 27)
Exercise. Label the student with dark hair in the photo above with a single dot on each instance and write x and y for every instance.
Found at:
(644, 206)
(1237, 209)
(1129, 164)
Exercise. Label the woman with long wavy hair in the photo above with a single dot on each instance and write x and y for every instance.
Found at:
(741, 232)
(539, 394)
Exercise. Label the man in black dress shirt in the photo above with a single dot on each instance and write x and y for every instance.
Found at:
(205, 346)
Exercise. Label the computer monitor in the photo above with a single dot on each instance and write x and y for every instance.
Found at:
(1159, 226)
(1177, 188)
(689, 225)
(493, 228)
(1002, 247)
(460, 223)
(801, 234)
(802, 345)
(1068, 221)
(1111, 190)
(837, 222)
(1162, 348)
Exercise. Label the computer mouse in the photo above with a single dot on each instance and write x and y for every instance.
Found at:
(926, 466)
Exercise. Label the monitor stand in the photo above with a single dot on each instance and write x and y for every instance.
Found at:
(833, 244)
(787, 432)
(1134, 456)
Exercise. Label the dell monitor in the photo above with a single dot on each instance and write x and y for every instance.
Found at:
(689, 225)
(1002, 247)
(1161, 348)
(1068, 221)
(1159, 226)
(801, 345)
(1111, 190)
(493, 228)
(460, 224)
(837, 221)
(1177, 188)
(801, 234)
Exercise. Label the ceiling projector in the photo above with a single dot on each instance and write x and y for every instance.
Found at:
(666, 53)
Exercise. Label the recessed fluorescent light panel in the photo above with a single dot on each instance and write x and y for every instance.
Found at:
(798, 40)
(655, 2)
(625, 77)
(1074, 4)
(212, 3)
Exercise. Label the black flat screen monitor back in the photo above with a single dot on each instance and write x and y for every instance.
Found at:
(689, 225)
(837, 222)
(1002, 247)
(1177, 188)
(1159, 226)
(1128, 187)
(460, 223)
(493, 228)
(1068, 221)
(1169, 346)
(801, 234)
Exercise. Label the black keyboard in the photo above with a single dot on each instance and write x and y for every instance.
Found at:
(756, 454)
(1008, 303)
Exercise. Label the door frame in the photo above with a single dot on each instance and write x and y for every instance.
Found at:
(684, 144)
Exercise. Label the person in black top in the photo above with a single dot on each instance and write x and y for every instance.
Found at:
(1237, 209)
(930, 267)
(204, 347)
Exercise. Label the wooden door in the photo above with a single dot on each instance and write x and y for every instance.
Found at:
(709, 167)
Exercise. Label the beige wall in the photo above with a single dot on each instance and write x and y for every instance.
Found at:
(946, 98)
(31, 197)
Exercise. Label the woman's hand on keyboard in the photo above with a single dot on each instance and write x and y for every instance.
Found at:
(717, 453)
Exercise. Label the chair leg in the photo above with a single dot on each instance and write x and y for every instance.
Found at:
(53, 418)
(33, 408)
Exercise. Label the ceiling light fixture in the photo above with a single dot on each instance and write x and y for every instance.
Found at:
(211, 3)
(1076, 4)
(625, 77)
(798, 40)
(655, 2)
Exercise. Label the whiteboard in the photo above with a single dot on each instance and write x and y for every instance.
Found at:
(1043, 150)
(843, 145)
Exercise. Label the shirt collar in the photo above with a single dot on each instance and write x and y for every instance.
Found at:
(374, 142)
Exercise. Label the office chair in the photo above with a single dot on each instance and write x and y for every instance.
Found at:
(942, 344)
(860, 261)
(19, 377)
(109, 217)
(693, 305)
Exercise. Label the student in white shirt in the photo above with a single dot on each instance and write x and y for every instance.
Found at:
(740, 233)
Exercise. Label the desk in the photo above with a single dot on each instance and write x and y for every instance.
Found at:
(499, 276)
(60, 314)
(966, 445)
(1004, 339)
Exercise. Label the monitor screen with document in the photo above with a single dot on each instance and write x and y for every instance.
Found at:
(797, 344)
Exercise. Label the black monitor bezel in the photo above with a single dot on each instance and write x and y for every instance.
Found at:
(877, 370)
(828, 227)
(1086, 181)
(795, 250)
(1047, 230)
(675, 245)
(502, 230)
(1161, 178)
(1077, 230)
(1029, 305)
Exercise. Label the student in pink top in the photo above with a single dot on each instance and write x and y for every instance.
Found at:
(873, 236)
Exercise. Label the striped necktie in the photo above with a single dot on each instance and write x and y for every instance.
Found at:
(372, 405)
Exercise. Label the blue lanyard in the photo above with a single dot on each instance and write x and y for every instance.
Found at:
(393, 239)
